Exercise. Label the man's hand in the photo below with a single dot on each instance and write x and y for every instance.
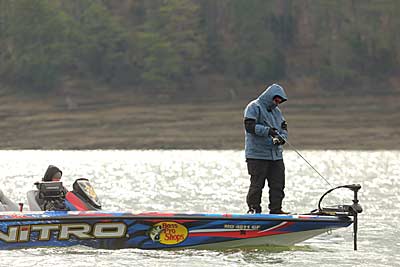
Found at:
(273, 132)
(278, 140)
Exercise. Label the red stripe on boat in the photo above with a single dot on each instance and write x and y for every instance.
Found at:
(75, 201)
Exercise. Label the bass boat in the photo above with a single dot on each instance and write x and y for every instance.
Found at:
(82, 222)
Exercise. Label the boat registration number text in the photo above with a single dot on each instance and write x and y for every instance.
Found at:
(242, 226)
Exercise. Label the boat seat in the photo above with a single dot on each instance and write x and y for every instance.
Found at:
(6, 204)
(33, 200)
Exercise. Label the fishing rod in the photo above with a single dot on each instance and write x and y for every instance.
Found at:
(298, 153)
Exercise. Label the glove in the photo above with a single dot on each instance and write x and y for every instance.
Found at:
(273, 132)
(278, 140)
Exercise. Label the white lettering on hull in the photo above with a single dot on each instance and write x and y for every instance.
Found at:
(11, 235)
(23, 233)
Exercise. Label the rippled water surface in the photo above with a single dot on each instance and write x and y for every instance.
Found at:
(217, 181)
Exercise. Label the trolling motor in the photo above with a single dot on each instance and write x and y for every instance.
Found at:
(345, 210)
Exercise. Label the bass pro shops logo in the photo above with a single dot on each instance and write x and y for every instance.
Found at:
(45, 232)
(168, 233)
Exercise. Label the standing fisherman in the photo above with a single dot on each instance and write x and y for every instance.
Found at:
(266, 132)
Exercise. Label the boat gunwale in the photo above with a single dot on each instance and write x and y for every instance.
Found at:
(175, 217)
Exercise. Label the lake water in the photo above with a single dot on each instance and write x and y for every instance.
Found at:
(217, 181)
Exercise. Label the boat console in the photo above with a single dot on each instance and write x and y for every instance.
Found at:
(48, 196)
(54, 196)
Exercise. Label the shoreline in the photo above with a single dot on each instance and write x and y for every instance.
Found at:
(123, 123)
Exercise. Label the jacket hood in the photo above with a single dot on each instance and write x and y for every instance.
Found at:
(51, 170)
(266, 98)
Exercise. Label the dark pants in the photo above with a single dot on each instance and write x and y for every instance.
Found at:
(274, 172)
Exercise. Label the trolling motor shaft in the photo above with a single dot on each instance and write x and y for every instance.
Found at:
(355, 208)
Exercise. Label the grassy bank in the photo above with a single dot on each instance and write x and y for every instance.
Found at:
(126, 122)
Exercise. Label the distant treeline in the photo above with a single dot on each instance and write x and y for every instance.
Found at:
(163, 44)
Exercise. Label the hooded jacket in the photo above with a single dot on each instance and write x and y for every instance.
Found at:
(51, 170)
(264, 111)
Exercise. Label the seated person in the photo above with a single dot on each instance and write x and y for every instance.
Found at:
(52, 174)
(55, 199)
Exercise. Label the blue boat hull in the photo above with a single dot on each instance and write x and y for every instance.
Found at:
(116, 230)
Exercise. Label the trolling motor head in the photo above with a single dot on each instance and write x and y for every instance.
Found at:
(353, 209)
(354, 187)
